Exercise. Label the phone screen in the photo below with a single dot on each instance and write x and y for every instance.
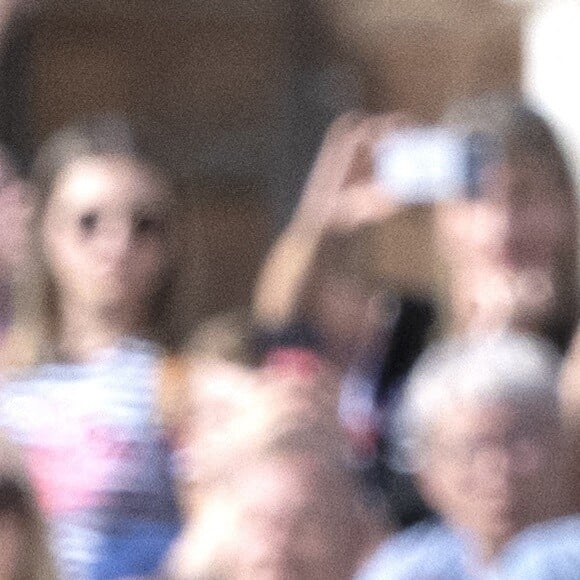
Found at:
(427, 165)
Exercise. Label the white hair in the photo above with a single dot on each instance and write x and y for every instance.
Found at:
(495, 368)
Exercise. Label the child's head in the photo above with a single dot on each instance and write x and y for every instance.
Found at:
(104, 233)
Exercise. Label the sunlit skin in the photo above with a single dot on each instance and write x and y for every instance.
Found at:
(492, 470)
(104, 233)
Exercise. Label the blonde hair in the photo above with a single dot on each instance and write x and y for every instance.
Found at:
(227, 336)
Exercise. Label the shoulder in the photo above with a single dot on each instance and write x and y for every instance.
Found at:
(24, 396)
(546, 551)
(563, 533)
(17, 380)
(129, 368)
(428, 549)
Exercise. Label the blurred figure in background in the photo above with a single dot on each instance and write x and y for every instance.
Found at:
(305, 299)
(512, 251)
(14, 208)
(273, 496)
(480, 427)
(93, 317)
(298, 518)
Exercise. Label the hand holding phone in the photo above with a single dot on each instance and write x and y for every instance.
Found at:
(423, 165)
(342, 191)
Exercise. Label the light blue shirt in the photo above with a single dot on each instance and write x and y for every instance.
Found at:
(547, 551)
(433, 551)
(428, 550)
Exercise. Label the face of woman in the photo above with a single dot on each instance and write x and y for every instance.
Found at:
(504, 250)
(104, 234)
(493, 468)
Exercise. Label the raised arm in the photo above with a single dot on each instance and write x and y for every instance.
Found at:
(289, 263)
(340, 195)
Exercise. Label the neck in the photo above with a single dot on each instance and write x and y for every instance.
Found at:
(84, 330)
(488, 549)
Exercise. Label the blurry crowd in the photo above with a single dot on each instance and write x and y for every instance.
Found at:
(401, 401)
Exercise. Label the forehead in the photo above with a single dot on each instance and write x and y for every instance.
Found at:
(276, 477)
(284, 484)
(116, 183)
(463, 420)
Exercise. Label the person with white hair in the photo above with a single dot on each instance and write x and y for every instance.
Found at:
(479, 427)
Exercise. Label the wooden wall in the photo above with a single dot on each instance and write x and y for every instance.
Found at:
(424, 53)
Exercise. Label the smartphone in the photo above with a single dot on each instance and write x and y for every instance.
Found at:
(425, 165)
